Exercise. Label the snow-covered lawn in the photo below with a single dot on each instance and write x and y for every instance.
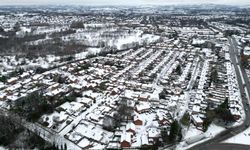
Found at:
(195, 136)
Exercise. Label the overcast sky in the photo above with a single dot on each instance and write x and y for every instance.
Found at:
(121, 2)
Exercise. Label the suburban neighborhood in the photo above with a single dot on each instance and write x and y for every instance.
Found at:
(125, 78)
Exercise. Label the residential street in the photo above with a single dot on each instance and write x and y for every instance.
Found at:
(241, 77)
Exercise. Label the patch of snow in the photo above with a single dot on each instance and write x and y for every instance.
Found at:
(241, 138)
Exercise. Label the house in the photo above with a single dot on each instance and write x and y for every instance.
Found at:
(84, 100)
(196, 109)
(138, 120)
(12, 80)
(130, 127)
(142, 107)
(24, 75)
(198, 122)
(53, 87)
(115, 91)
(153, 133)
(3, 96)
(77, 87)
(164, 118)
(71, 107)
(144, 140)
(143, 97)
(94, 117)
(148, 87)
(37, 77)
(72, 79)
(84, 143)
(55, 92)
(235, 112)
(126, 140)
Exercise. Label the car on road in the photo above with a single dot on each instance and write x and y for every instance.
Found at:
(246, 109)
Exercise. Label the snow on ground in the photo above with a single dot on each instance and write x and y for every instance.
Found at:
(148, 129)
(191, 132)
(241, 138)
(214, 130)
(81, 116)
(98, 146)
(148, 38)
(54, 118)
(195, 136)
(93, 50)
(81, 55)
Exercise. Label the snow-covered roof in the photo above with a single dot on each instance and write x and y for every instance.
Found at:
(142, 106)
(130, 126)
(126, 137)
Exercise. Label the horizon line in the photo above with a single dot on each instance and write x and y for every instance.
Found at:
(172, 4)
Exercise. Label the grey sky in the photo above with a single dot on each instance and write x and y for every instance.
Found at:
(124, 2)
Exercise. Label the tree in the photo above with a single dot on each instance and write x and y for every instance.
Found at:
(65, 146)
(178, 70)
(103, 86)
(109, 123)
(189, 75)
(1, 29)
(9, 129)
(221, 112)
(174, 131)
(40, 70)
(118, 119)
(163, 94)
(77, 24)
(210, 115)
(17, 27)
(164, 135)
(224, 113)
(33, 106)
(224, 105)
(124, 110)
(214, 75)
(185, 120)
(3, 79)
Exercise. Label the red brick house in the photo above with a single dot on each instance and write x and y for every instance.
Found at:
(138, 120)
(126, 140)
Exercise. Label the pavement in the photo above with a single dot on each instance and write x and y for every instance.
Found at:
(226, 146)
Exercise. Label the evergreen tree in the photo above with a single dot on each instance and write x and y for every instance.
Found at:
(178, 70)
(174, 131)
(65, 146)
(214, 75)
